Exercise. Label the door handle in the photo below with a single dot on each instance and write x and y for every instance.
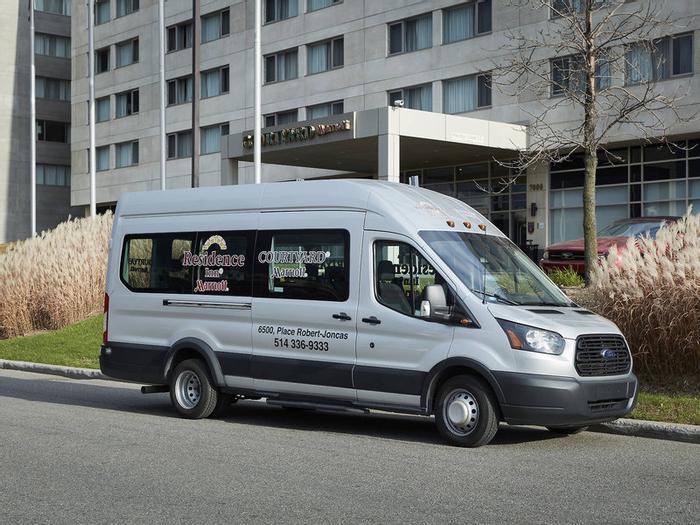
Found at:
(342, 316)
(371, 320)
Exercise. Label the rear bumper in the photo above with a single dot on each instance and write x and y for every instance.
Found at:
(551, 400)
(141, 364)
(576, 265)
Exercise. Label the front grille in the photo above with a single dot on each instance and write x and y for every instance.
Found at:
(566, 256)
(604, 406)
(602, 355)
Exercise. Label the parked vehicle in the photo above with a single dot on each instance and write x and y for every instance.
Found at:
(569, 254)
(351, 295)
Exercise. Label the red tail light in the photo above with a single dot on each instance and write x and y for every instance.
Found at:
(105, 323)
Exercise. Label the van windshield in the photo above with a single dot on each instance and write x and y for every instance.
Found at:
(494, 268)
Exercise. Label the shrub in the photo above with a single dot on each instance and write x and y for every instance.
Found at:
(55, 279)
(566, 277)
(652, 292)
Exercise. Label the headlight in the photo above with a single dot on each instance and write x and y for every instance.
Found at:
(522, 337)
(545, 255)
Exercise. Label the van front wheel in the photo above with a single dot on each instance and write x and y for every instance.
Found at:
(466, 412)
(191, 390)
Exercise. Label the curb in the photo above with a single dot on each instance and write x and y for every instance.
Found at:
(650, 429)
(64, 371)
(622, 427)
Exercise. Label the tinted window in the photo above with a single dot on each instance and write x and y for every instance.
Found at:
(401, 275)
(309, 264)
(221, 263)
(153, 263)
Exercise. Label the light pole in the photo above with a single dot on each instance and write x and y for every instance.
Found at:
(32, 120)
(257, 130)
(161, 58)
(91, 103)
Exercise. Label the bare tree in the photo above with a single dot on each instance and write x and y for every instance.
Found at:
(592, 72)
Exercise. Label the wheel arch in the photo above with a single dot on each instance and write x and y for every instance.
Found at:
(455, 366)
(192, 348)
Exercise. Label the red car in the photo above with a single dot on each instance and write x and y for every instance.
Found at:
(569, 254)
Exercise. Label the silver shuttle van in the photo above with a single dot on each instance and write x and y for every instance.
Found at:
(351, 294)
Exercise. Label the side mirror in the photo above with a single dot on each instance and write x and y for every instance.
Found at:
(434, 305)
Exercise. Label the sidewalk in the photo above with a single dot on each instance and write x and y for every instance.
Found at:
(624, 427)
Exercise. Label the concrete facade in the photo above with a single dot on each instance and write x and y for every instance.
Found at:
(53, 200)
(367, 76)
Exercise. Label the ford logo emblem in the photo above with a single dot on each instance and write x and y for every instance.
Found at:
(608, 354)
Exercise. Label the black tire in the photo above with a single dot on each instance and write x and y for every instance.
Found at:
(566, 431)
(192, 391)
(474, 402)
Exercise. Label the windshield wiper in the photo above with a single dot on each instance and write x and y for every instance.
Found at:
(545, 303)
(496, 296)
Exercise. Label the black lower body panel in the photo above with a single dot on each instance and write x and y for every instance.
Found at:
(137, 363)
(564, 401)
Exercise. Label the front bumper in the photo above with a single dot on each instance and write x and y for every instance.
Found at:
(531, 399)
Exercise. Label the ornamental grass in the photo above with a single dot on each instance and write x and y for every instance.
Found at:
(651, 291)
(56, 278)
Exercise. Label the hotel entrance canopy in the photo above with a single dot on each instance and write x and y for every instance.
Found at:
(380, 142)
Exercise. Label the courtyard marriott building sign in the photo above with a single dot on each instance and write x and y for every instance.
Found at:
(298, 134)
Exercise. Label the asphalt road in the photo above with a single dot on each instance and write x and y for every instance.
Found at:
(98, 452)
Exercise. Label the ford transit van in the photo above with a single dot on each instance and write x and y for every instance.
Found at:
(350, 295)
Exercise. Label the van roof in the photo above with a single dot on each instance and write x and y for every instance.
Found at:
(390, 206)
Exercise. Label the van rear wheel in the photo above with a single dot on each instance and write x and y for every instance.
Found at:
(192, 392)
(466, 412)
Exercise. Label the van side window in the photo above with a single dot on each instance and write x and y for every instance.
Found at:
(401, 275)
(222, 265)
(153, 263)
(303, 264)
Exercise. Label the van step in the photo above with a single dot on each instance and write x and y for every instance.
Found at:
(291, 403)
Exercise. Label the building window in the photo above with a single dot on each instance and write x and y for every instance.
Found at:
(411, 34)
(51, 45)
(51, 131)
(102, 12)
(215, 82)
(127, 154)
(58, 7)
(315, 5)
(417, 97)
(126, 7)
(180, 36)
(466, 21)
(567, 75)
(52, 175)
(102, 60)
(281, 66)
(211, 137)
(276, 10)
(281, 118)
(216, 25)
(659, 59)
(102, 156)
(477, 185)
(467, 93)
(127, 52)
(180, 90)
(53, 88)
(180, 144)
(126, 103)
(324, 110)
(325, 56)
(102, 110)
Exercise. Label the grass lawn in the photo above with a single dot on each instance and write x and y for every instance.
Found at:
(79, 345)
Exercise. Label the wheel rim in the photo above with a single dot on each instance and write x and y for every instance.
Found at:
(188, 389)
(461, 412)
